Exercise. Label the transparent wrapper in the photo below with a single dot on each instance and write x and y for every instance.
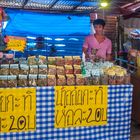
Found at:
(11, 81)
(112, 80)
(104, 79)
(76, 60)
(32, 80)
(51, 61)
(88, 80)
(14, 69)
(52, 70)
(51, 80)
(60, 70)
(4, 70)
(96, 80)
(61, 80)
(22, 80)
(77, 69)
(34, 69)
(32, 60)
(127, 79)
(68, 60)
(42, 80)
(22, 60)
(69, 69)
(42, 60)
(80, 80)
(3, 81)
(119, 80)
(59, 61)
(70, 80)
(43, 69)
(24, 69)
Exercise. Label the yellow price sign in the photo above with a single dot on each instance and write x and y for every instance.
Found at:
(80, 106)
(16, 43)
(17, 109)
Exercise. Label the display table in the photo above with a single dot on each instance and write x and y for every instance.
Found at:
(118, 127)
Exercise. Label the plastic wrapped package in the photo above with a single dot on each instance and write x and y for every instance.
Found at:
(11, 81)
(104, 79)
(96, 79)
(4, 70)
(111, 78)
(77, 69)
(51, 69)
(88, 80)
(120, 78)
(43, 69)
(3, 81)
(14, 69)
(51, 80)
(9, 58)
(59, 61)
(24, 69)
(80, 79)
(127, 79)
(76, 60)
(42, 60)
(32, 60)
(51, 61)
(60, 70)
(70, 79)
(22, 60)
(69, 69)
(68, 60)
(61, 80)
(22, 80)
(32, 80)
(33, 69)
(42, 80)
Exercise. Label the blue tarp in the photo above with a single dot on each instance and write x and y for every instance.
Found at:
(25, 23)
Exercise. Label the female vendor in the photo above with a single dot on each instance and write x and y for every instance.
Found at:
(98, 44)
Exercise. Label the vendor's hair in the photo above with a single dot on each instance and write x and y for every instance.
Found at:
(99, 22)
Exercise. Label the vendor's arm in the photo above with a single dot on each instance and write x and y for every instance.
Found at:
(85, 47)
(109, 52)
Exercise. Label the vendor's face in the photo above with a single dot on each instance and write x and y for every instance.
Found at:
(99, 29)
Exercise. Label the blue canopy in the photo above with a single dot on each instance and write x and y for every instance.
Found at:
(25, 23)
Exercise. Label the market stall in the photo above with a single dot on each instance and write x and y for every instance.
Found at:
(62, 95)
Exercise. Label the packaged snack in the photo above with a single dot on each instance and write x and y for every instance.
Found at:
(51, 80)
(32, 80)
(42, 80)
(11, 81)
(120, 78)
(59, 61)
(112, 77)
(77, 69)
(51, 69)
(104, 79)
(69, 69)
(32, 60)
(14, 69)
(127, 79)
(76, 60)
(4, 70)
(22, 60)
(42, 60)
(24, 69)
(3, 81)
(61, 80)
(96, 80)
(60, 70)
(88, 80)
(33, 69)
(51, 61)
(70, 79)
(22, 80)
(43, 69)
(68, 60)
(80, 79)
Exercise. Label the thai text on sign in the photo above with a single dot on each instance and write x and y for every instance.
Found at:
(17, 109)
(80, 106)
(15, 43)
